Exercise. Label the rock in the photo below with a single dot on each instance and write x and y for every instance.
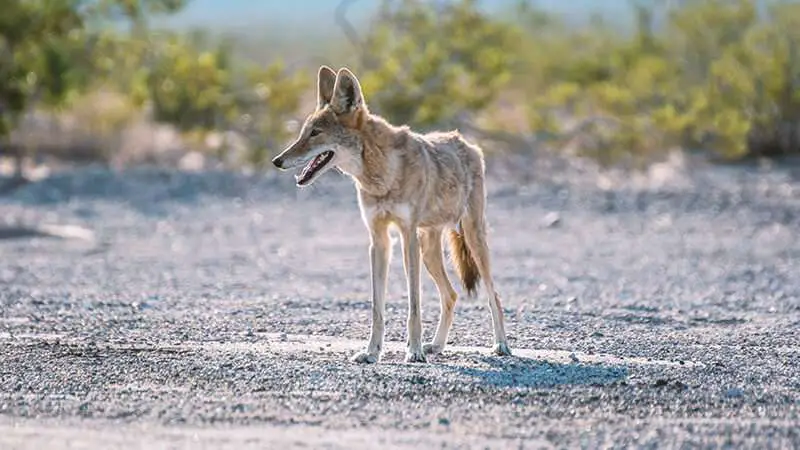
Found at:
(551, 220)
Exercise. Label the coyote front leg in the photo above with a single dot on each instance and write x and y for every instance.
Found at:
(379, 255)
(411, 262)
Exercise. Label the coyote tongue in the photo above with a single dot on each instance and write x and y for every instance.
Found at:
(313, 167)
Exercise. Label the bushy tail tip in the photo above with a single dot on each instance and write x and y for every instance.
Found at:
(465, 265)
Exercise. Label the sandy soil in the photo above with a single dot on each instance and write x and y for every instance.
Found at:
(219, 311)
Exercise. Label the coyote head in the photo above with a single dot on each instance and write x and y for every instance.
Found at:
(329, 136)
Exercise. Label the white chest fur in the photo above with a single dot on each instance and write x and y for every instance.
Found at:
(400, 213)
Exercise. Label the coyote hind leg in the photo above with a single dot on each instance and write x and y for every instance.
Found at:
(474, 229)
(433, 259)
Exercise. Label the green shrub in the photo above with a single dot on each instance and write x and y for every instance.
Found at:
(722, 75)
(61, 52)
(715, 76)
(36, 38)
(425, 67)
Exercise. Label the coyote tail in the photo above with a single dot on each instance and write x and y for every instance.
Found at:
(465, 265)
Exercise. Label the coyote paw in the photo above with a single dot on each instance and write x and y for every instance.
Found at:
(501, 349)
(365, 358)
(415, 356)
(432, 349)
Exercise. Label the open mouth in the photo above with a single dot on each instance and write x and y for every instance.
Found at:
(314, 167)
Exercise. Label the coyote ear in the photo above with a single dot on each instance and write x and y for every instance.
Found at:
(326, 78)
(347, 96)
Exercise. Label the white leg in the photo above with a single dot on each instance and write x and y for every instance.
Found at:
(379, 255)
(411, 262)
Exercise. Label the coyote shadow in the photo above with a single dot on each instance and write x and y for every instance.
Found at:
(528, 372)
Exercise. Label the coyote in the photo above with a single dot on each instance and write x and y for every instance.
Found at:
(423, 184)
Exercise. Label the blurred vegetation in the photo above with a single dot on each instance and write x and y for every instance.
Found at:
(424, 65)
(36, 42)
(715, 75)
(58, 53)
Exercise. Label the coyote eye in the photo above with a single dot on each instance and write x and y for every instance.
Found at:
(315, 132)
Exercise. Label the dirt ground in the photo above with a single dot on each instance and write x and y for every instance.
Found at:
(219, 310)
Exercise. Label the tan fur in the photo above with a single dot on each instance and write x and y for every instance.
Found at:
(463, 262)
(423, 184)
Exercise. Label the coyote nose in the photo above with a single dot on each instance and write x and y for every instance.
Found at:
(277, 162)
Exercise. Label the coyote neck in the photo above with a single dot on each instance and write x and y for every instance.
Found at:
(381, 153)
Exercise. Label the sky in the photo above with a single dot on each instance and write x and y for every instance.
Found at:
(316, 14)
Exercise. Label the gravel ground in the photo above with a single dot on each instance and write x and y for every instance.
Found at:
(219, 310)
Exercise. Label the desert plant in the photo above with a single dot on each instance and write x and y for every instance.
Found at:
(424, 65)
(714, 75)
